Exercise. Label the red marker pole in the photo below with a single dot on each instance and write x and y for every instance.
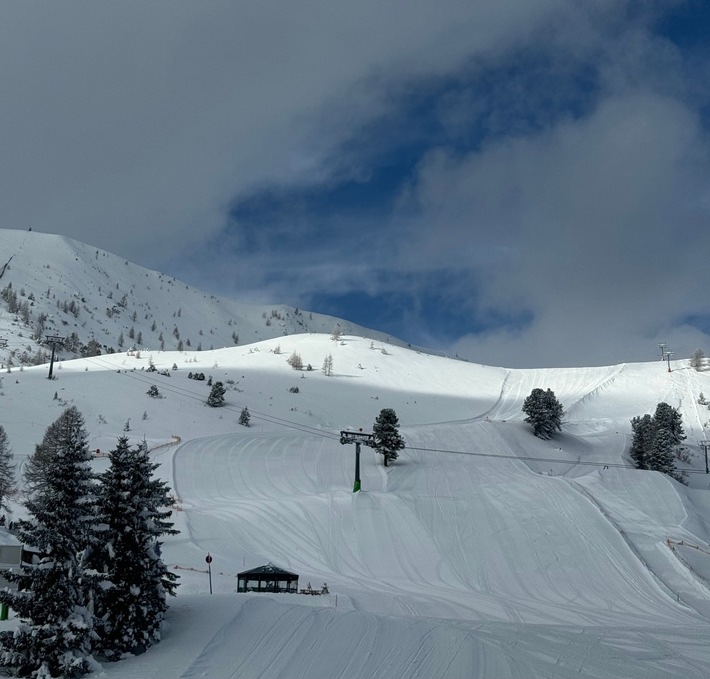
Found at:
(208, 559)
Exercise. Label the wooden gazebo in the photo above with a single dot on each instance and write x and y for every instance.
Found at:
(267, 578)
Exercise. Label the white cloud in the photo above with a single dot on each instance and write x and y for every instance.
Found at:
(598, 227)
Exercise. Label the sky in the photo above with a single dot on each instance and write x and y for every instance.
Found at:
(519, 184)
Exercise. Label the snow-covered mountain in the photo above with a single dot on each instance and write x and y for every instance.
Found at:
(481, 552)
(53, 285)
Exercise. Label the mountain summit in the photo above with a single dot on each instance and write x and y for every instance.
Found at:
(98, 302)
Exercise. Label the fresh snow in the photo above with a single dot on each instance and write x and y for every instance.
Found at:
(481, 552)
(446, 565)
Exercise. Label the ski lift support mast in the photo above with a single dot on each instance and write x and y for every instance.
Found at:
(358, 438)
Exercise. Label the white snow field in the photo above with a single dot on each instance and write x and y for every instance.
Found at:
(481, 552)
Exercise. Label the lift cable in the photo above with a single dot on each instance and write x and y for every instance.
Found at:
(335, 436)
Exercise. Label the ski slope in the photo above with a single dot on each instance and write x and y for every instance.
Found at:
(482, 552)
(435, 535)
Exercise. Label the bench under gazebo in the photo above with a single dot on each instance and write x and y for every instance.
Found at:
(267, 578)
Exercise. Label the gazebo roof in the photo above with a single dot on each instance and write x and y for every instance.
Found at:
(268, 569)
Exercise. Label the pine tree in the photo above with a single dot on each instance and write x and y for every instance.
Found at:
(132, 600)
(644, 430)
(7, 470)
(244, 417)
(668, 440)
(216, 397)
(55, 635)
(668, 418)
(544, 412)
(661, 456)
(386, 435)
(657, 440)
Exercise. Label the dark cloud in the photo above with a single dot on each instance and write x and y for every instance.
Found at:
(138, 122)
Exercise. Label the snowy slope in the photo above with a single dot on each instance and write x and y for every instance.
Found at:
(482, 552)
(69, 288)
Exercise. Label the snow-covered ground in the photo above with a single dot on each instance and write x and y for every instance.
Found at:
(482, 552)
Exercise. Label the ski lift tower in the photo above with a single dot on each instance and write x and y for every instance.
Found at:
(662, 346)
(705, 445)
(668, 356)
(358, 438)
(53, 340)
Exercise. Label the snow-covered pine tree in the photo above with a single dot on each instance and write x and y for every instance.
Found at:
(134, 508)
(216, 397)
(544, 412)
(244, 417)
(667, 417)
(661, 457)
(55, 635)
(387, 437)
(657, 440)
(7, 470)
(667, 441)
(644, 430)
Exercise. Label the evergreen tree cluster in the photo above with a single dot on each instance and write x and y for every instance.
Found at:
(96, 583)
(544, 413)
(657, 439)
(92, 348)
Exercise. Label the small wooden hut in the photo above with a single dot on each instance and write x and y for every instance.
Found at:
(268, 578)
